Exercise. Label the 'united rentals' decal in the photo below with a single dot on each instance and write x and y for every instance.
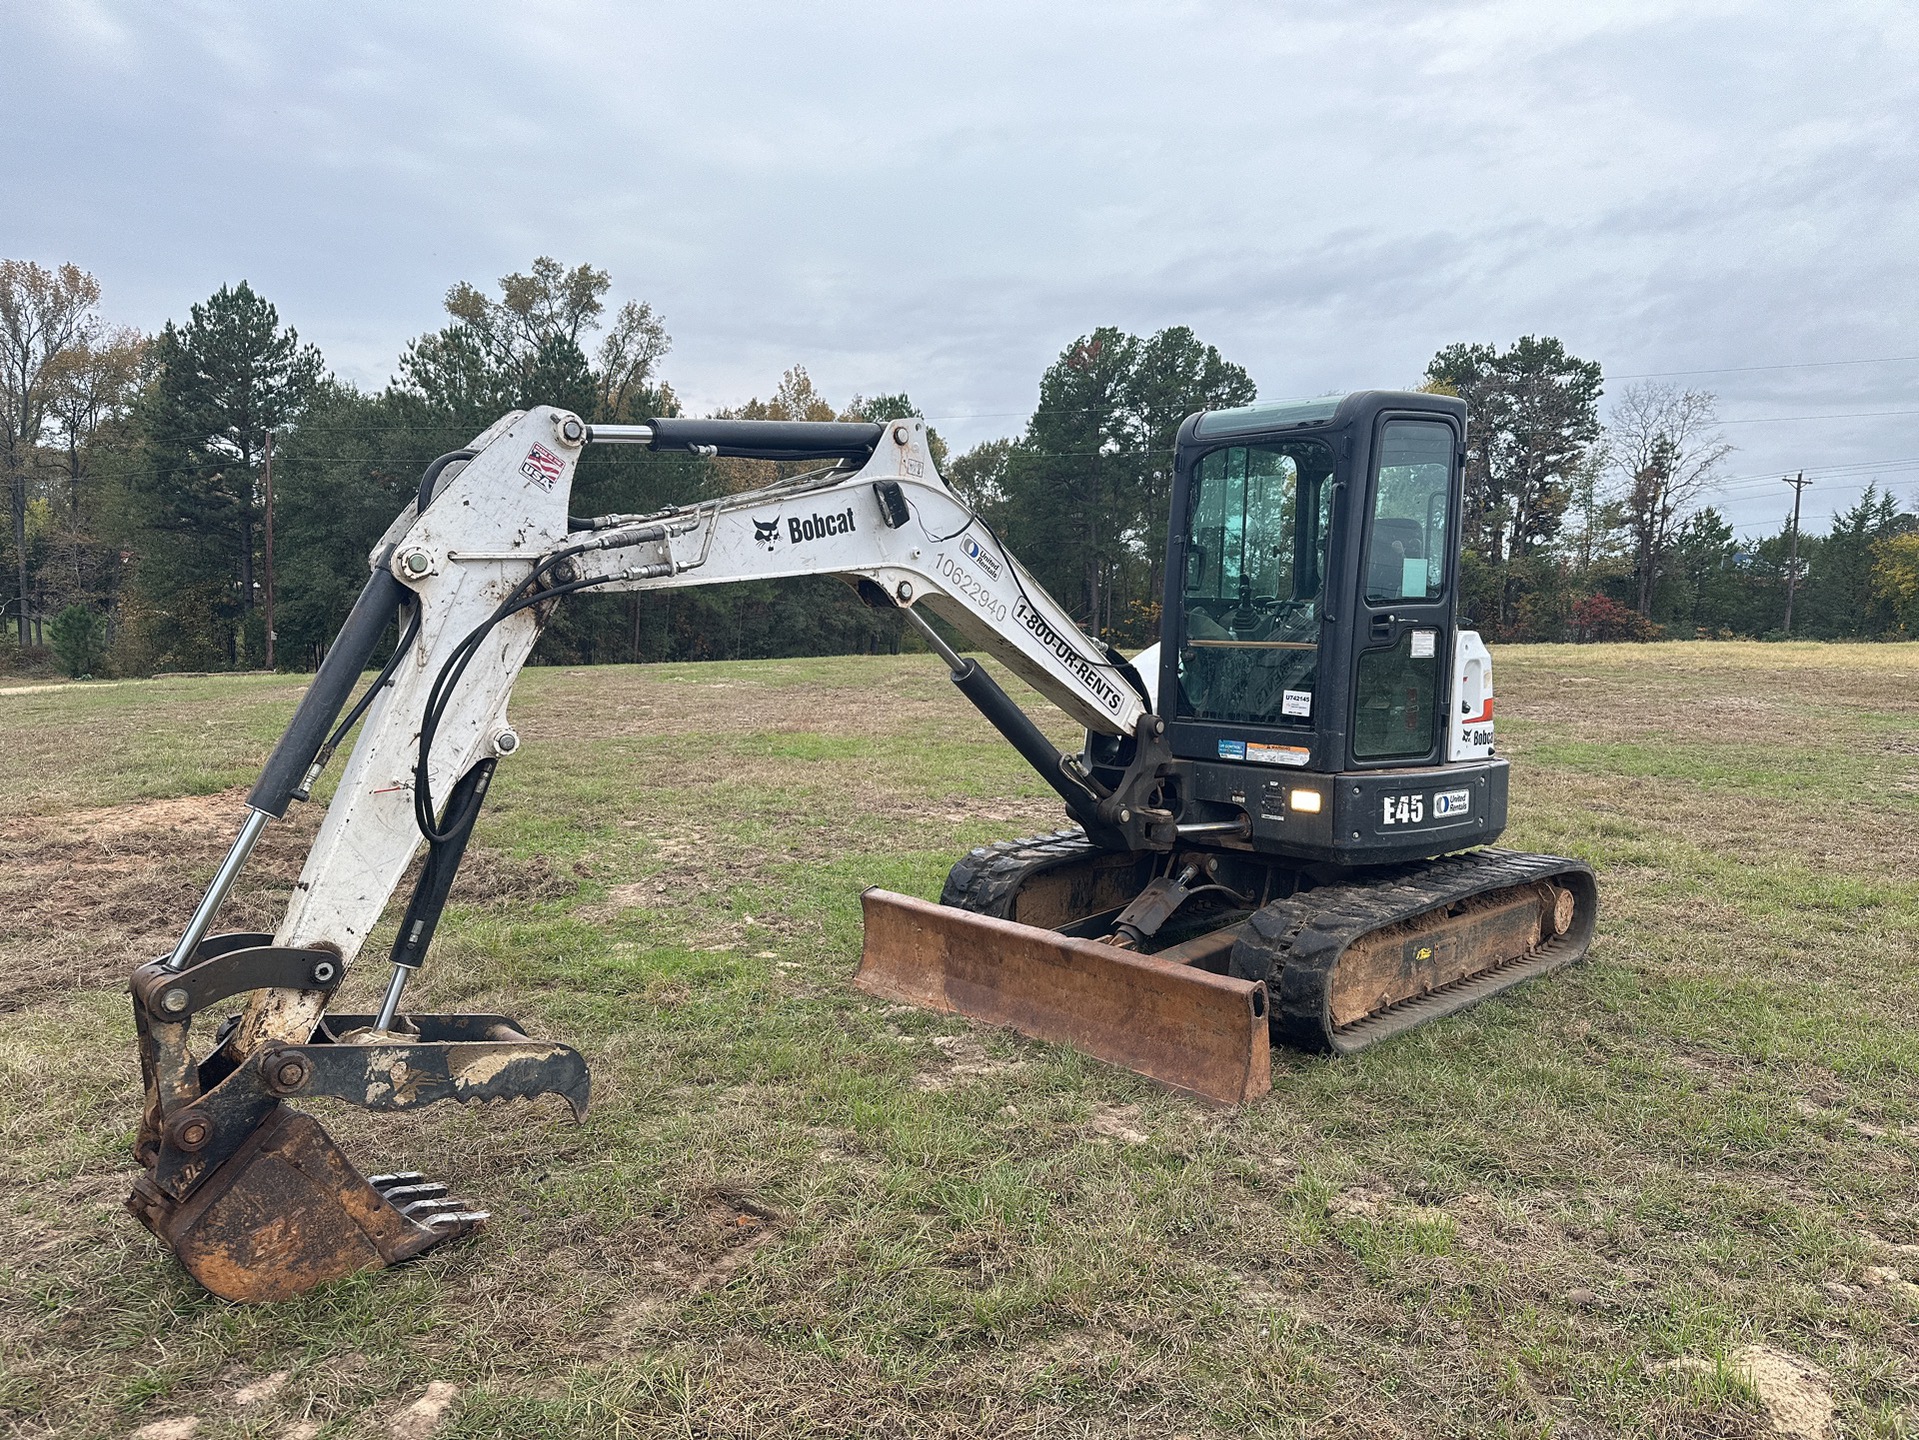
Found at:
(1089, 674)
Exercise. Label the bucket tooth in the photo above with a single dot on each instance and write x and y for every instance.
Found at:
(448, 1223)
(402, 1195)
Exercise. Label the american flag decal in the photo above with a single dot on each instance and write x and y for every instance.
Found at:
(542, 466)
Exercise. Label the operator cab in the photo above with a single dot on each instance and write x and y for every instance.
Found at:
(1308, 651)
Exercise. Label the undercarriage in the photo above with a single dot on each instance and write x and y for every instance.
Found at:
(1324, 960)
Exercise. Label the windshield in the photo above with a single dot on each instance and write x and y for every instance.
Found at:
(1255, 562)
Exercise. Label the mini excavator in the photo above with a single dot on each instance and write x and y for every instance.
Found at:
(1282, 816)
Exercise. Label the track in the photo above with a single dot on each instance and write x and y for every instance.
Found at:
(987, 881)
(1296, 944)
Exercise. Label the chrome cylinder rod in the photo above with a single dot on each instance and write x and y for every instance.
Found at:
(390, 1003)
(1224, 829)
(223, 879)
(940, 647)
(619, 434)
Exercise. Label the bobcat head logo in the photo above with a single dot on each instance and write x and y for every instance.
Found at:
(767, 532)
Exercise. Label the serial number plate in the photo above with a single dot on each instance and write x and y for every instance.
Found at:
(1417, 809)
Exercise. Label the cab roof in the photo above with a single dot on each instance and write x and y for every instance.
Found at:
(1315, 410)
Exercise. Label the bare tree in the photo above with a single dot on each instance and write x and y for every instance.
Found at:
(44, 315)
(94, 381)
(1665, 446)
(629, 356)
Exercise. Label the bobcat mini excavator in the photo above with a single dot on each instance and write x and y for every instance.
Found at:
(1281, 811)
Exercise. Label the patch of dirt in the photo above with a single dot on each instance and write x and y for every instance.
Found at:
(1118, 1122)
(259, 1390)
(713, 1243)
(425, 1415)
(1889, 1280)
(1796, 1394)
(87, 896)
(961, 1058)
(492, 877)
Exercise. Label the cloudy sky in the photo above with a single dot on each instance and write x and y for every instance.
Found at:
(938, 198)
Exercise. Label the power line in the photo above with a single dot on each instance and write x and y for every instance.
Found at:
(1760, 485)
(1847, 415)
(1747, 369)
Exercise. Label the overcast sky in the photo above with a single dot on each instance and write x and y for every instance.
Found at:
(937, 199)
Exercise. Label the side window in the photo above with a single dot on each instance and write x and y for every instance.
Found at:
(1406, 543)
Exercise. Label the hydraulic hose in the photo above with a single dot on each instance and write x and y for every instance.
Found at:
(432, 475)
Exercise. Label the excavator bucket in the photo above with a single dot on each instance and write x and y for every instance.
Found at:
(1195, 1031)
(251, 1195)
(288, 1211)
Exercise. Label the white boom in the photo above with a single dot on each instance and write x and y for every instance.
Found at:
(892, 523)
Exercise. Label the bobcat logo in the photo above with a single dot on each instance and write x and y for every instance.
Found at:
(767, 532)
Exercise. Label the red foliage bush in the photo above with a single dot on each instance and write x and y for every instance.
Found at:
(1600, 617)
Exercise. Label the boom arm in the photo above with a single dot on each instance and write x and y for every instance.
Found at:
(488, 554)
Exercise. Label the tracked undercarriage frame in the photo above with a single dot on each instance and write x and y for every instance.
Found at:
(1035, 934)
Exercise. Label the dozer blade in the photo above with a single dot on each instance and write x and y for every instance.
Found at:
(1197, 1032)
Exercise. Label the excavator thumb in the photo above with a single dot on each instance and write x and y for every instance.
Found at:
(254, 1197)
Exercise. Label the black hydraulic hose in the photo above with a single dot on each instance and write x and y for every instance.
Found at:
(339, 672)
(438, 831)
(433, 474)
(400, 648)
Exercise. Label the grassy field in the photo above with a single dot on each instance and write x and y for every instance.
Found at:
(797, 1211)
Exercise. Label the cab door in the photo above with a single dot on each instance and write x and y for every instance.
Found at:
(1401, 672)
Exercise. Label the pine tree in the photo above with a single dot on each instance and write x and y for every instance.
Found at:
(1534, 415)
(220, 382)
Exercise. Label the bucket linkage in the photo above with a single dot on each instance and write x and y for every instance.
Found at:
(253, 1196)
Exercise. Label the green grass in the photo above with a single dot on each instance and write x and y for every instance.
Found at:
(1502, 1224)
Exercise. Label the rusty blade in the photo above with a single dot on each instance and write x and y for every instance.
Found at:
(1197, 1032)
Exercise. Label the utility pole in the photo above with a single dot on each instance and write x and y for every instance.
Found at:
(1799, 484)
(269, 555)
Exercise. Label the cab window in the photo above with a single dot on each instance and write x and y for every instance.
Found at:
(1406, 546)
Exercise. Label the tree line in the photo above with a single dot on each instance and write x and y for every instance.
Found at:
(137, 471)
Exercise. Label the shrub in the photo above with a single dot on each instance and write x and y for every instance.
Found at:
(79, 640)
(1600, 617)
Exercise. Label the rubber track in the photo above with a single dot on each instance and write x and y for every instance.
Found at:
(1299, 940)
(987, 880)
